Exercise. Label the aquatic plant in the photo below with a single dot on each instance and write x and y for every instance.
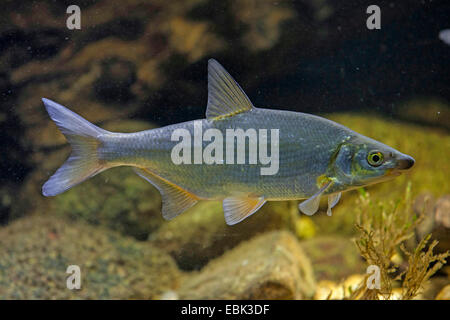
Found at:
(384, 228)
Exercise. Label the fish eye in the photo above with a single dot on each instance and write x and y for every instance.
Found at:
(375, 158)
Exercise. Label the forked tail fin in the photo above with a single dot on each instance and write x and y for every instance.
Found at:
(83, 162)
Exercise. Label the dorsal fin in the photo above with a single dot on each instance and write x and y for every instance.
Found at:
(225, 97)
(175, 200)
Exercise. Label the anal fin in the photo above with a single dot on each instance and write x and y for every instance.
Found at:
(237, 209)
(175, 200)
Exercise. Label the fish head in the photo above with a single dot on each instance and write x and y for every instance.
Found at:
(365, 161)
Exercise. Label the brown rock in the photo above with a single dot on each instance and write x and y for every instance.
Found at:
(436, 219)
(270, 266)
(444, 294)
(334, 258)
(441, 230)
(442, 211)
(433, 287)
(201, 234)
(424, 205)
(35, 252)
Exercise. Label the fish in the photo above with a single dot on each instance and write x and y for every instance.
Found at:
(311, 157)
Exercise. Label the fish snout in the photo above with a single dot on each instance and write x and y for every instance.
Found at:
(405, 162)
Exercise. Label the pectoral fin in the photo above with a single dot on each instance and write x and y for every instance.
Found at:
(332, 201)
(175, 200)
(310, 206)
(237, 209)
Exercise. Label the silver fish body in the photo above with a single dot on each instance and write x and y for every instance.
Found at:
(312, 156)
(306, 144)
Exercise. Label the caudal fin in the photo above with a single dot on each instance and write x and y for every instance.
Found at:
(83, 162)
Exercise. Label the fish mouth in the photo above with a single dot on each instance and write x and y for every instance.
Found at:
(404, 163)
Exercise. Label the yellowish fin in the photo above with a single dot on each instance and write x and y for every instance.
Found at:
(225, 97)
(175, 200)
(237, 209)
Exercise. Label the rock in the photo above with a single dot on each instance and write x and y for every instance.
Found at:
(444, 294)
(424, 204)
(442, 211)
(334, 258)
(433, 287)
(168, 295)
(330, 290)
(441, 230)
(396, 294)
(269, 266)
(201, 234)
(436, 220)
(35, 252)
